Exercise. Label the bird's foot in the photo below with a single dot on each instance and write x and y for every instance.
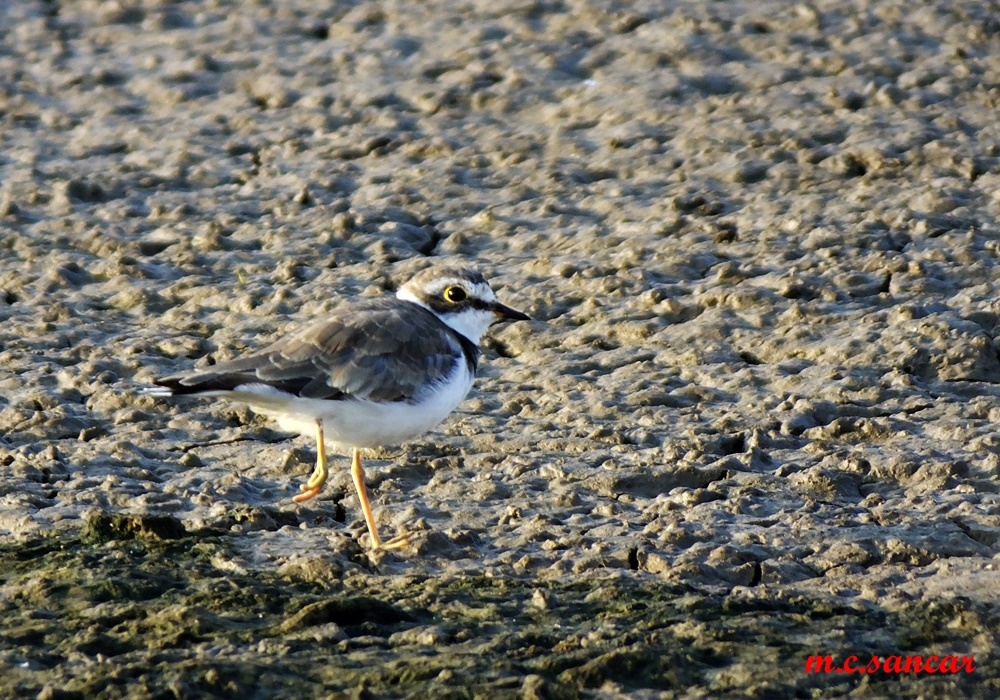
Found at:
(307, 493)
(311, 488)
(397, 542)
(317, 479)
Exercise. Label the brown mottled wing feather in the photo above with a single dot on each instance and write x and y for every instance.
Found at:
(380, 350)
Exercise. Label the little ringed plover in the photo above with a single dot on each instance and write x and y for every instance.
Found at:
(373, 373)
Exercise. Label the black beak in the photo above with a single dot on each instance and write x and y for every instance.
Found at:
(505, 313)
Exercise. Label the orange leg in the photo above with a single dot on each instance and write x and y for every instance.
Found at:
(315, 484)
(358, 474)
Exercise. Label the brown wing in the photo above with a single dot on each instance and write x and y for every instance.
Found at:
(380, 350)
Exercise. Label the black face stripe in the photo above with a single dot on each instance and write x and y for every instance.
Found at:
(439, 305)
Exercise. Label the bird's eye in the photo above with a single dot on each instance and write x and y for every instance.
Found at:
(455, 294)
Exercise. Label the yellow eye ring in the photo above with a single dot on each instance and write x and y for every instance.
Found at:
(455, 295)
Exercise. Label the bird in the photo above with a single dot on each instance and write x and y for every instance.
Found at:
(373, 373)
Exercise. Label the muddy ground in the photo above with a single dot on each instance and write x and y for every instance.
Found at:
(754, 419)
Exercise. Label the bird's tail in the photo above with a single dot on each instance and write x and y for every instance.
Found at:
(159, 392)
(194, 383)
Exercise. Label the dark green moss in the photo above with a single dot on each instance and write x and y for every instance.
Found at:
(156, 618)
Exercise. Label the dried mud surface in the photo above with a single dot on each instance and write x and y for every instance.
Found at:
(753, 421)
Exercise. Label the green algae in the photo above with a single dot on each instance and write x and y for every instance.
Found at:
(126, 609)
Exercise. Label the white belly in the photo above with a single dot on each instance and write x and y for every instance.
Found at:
(357, 423)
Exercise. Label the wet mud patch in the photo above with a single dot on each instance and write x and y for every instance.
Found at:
(105, 527)
(156, 616)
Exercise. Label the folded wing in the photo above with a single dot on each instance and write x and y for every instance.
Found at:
(377, 351)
